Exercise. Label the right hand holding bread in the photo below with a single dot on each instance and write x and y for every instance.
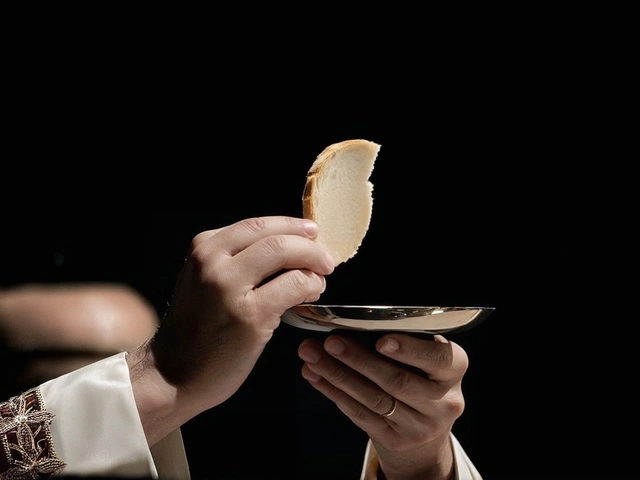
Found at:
(235, 285)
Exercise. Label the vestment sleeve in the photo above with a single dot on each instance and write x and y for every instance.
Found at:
(85, 423)
(465, 469)
(96, 429)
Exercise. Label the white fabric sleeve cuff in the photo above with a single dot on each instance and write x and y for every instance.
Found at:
(97, 430)
(465, 470)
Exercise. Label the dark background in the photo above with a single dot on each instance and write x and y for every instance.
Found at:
(510, 190)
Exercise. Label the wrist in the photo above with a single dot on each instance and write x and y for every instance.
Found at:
(434, 461)
(156, 399)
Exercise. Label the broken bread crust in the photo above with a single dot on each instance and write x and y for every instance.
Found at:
(338, 196)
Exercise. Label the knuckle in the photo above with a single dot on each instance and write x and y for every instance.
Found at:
(337, 376)
(400, 383)
(197, 257)
(292, 222)
(275, 244)
(297, 286)
(202, 262)
(360, 413)
(381, 403)
(298, 280)
(441, 358)
(199, 238)
(455, 405)
(359, 363)
(256, 224)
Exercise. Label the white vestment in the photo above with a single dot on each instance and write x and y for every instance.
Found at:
(96, 429)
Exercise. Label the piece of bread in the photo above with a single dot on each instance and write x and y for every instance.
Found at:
(338, 196)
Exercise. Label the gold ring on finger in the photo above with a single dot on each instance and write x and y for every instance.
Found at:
(391, 410)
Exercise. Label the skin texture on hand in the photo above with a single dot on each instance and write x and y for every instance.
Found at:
(234, 287)
(425, 376)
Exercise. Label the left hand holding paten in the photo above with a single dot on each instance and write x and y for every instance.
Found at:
(406, 396)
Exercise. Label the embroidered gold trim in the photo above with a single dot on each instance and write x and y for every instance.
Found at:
(25, 439)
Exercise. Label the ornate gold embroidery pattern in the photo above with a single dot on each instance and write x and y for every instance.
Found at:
(27, 451)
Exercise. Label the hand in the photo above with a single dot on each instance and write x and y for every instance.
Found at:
(235, 285)
(423, 375)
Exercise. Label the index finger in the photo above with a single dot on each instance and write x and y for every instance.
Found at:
(236, 237)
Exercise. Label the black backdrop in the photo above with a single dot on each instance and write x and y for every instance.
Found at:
(511, 209)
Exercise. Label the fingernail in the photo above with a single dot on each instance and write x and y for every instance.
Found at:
(309, 355)
(390, 345)
(334, 346)
(311, 229)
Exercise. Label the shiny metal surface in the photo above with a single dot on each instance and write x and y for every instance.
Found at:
(432, 320)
